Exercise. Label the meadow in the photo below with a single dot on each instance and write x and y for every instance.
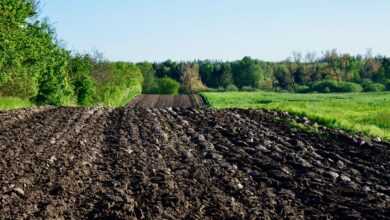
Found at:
(8, 103)
(368, 113)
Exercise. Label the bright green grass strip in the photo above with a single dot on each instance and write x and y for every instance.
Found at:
(117, 97)
(360, 112)
(7, 103)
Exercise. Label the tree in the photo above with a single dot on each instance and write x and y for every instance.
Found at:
(168, 86)
(190, 78)
(80, 68)
(283, 77)
(247, 73)
(149, 75)
(226, 75)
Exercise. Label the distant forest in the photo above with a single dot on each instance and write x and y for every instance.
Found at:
(34, 66)
(331, 72)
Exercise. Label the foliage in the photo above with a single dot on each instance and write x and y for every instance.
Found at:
(168, 86)
(190, 79)
(7, 103)
(32, 64)
(302, 89)
(387, 85)
(231, 88)
(149, 74)
(369, 86)
(247, 73)
(362, 112)
(287, 75)
(327, 86)
(80, 68)
(116, 83)
(247, 89)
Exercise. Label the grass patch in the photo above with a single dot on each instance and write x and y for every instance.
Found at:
(7, 103)
(368, 113)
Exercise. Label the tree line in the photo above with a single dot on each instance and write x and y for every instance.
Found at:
(34, 66)
(330, 72)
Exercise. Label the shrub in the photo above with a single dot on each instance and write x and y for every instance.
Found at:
(327, 86)
(220, 89)
(349, 87)
(324, 86)
(302, 89)
(387, 85)
(231, 88)
(248, 89)
(116, 83)
(168, 86)
(373, 87)
(266, 85)
(81, 79)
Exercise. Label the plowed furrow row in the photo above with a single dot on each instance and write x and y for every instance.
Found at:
(185, 163)
(232, 159)
(8, 118)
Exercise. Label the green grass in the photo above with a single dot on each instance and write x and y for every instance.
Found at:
(7, 103)
(117, 97)
(368, 113)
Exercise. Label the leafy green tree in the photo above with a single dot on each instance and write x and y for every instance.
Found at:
(80, 68)
(168, 86)
(283, 77)
(149, 75)
(206, 71)
(54, 86)
(247, 73)
(32, 65)
(226, 75)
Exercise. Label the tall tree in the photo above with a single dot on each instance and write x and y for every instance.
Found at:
(247, 73)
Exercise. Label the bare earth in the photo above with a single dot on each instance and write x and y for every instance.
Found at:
(166, 101)
(185, 163)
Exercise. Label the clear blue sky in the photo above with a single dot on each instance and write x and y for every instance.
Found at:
(156, 30)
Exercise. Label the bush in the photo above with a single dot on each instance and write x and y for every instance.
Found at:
(80, 75)
(266, 85)
(248, 89)
(387, 85)
(373, 87)
(302, 89)
(116, 83)
(327, 86)
(349, 87)
(168, 86)
(220, 89)
(231, 88)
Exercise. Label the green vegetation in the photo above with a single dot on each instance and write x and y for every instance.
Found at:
(373, 87)
(34, 66)
(359, 112)
(329, 73)
(328, 86)
(7, 103)
(168, 86)
(116, 83)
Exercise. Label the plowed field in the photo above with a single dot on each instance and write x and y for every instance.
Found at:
(185, 163)
(166, 101)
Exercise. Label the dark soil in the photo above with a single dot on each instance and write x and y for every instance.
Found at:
(166, 101)
(183, 163)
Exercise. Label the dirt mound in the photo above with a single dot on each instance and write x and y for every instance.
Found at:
(166, 101)
(71, 163)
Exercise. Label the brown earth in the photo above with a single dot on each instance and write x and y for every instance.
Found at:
(184, 163)
(166, 101)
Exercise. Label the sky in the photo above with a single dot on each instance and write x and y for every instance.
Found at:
(185, 30)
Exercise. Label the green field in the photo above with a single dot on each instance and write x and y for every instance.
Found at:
(7, 103)
(359, 112)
